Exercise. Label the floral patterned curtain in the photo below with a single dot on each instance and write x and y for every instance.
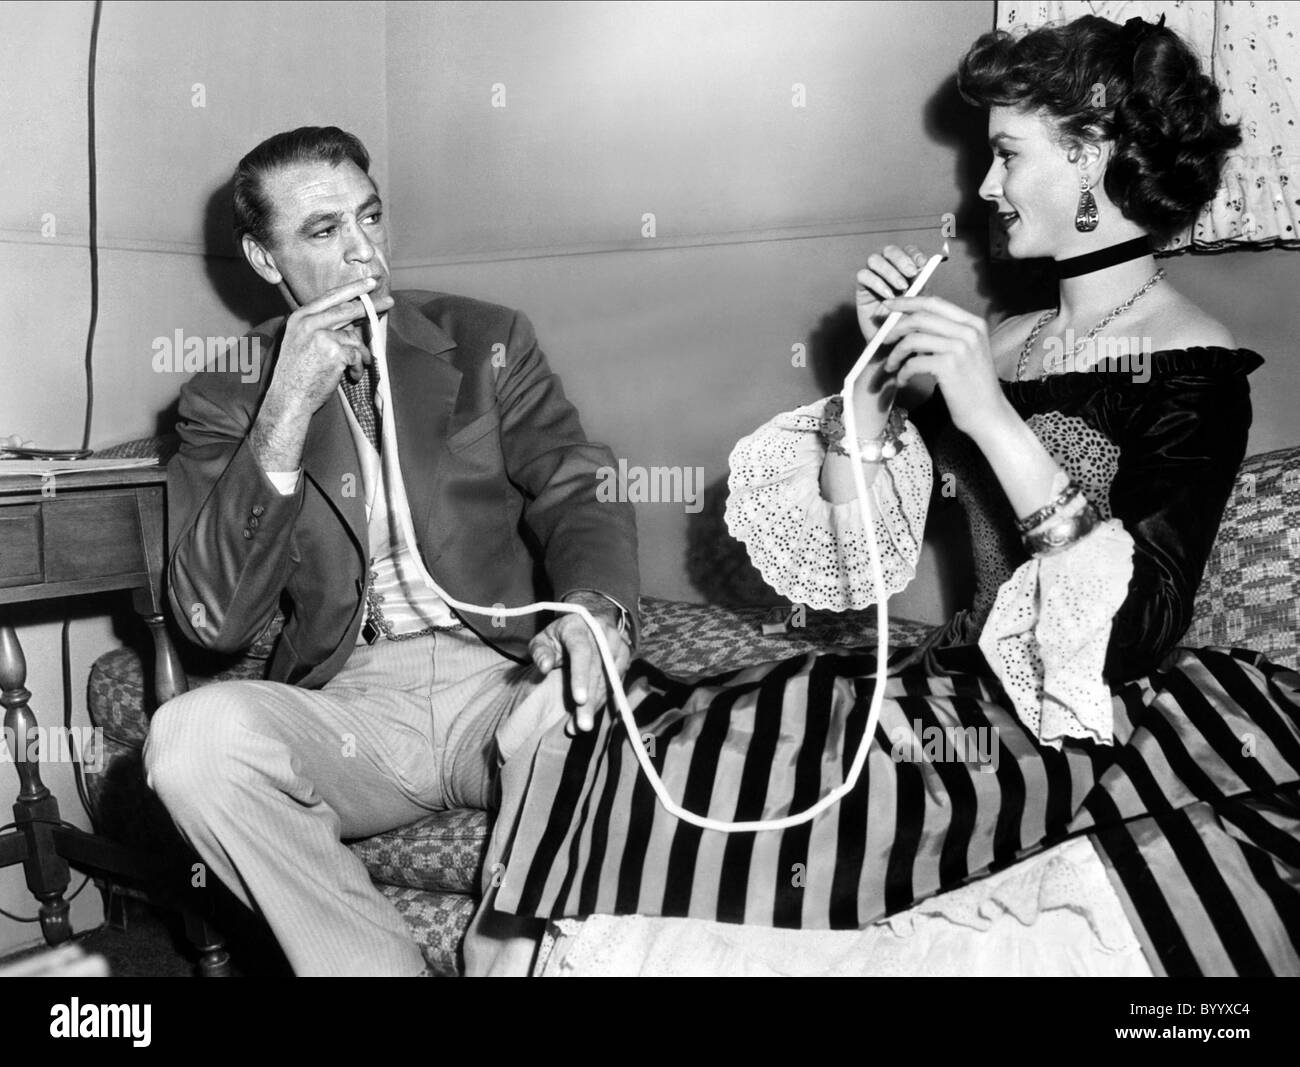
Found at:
(1253, 51)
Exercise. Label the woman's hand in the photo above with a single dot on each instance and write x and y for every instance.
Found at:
(938, 338)
(888, 273)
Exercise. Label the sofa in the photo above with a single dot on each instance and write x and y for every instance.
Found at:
(430, 870)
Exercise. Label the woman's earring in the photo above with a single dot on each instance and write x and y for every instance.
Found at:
(1086, 218)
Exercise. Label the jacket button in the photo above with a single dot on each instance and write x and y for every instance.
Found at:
(258, 509)
(253, 523)
(248, 534)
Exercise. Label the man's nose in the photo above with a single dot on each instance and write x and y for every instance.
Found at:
(359, 249)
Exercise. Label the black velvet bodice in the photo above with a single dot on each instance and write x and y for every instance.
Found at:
(1160, 455)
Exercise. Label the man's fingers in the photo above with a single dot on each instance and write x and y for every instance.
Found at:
(341, 313)
(356, 357)
(578, 648)
(339, 317)
(543, 652)
(343, 293)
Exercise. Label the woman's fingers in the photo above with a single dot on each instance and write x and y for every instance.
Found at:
(922, 332)
(938, 306)
(928, 364)
(871, 287)
(915, 345)
(893, 275)
(928, 322)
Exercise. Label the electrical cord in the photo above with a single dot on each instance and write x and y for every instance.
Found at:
(78, 772)
(93, 236)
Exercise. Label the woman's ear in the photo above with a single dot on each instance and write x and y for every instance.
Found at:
(261, 260)
(1092, 158)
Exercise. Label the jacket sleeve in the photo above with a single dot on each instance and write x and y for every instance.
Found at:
(229, 527)
(1180, 449)
(586, 543)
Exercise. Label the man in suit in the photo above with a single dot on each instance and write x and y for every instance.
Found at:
(367, 477)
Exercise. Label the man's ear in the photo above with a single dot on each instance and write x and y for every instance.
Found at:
(261, 260)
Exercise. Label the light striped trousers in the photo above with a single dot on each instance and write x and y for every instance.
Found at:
(266, 780)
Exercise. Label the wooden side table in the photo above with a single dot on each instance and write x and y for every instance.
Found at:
(64, 536)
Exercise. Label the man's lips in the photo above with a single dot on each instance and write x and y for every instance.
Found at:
(1008, 217)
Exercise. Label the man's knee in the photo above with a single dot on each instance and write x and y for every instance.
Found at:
(191, 752)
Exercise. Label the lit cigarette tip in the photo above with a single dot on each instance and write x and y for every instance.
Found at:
(944, 251)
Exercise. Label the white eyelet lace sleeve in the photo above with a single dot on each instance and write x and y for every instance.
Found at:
(812, 551)
(1047, 635)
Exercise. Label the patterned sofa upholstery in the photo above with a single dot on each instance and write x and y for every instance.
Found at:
(1249, 597)
(1250, 594)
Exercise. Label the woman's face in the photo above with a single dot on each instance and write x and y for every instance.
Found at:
(1033, 186)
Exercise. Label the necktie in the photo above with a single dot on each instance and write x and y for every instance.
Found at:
(361, 395)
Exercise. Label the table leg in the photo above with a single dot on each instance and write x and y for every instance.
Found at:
(168, 674)
(36, 811)
(214, 960)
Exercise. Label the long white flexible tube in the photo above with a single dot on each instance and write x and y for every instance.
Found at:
(615, 682)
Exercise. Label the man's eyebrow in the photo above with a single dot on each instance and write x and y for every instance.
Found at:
(316, 219)
(319, 218)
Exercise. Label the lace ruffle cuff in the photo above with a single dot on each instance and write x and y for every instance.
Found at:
(1047, 635)
(812, 551)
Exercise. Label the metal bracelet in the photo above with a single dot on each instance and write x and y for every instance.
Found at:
(1043, 514)
(872, 449)
(1052, 537)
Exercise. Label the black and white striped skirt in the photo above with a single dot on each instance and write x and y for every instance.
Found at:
(1195, 809)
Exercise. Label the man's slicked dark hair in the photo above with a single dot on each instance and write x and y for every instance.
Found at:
(307, 144)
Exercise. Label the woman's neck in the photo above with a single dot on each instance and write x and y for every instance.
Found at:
(1091, 296)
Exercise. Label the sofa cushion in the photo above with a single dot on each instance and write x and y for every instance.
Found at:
(1249, 596)
(437, 922)
(695, 638)
(116, 691)
(442, 852)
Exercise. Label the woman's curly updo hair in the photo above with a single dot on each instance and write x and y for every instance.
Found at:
(1139, 86)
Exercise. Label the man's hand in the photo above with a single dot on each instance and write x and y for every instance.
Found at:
(320, 345)
(567, 641)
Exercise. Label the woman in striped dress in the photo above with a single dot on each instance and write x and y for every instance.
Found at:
(1054, 786)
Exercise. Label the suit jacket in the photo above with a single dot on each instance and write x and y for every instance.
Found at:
(500, 478)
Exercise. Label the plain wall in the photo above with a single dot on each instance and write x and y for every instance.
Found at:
(529, 141)
(776, 145)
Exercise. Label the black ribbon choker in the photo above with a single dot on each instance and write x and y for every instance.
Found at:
(1103, 257)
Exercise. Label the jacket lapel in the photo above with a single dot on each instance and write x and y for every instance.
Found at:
(424, 388)
(329, 458)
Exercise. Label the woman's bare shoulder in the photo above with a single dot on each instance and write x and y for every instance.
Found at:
(1177, 322)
